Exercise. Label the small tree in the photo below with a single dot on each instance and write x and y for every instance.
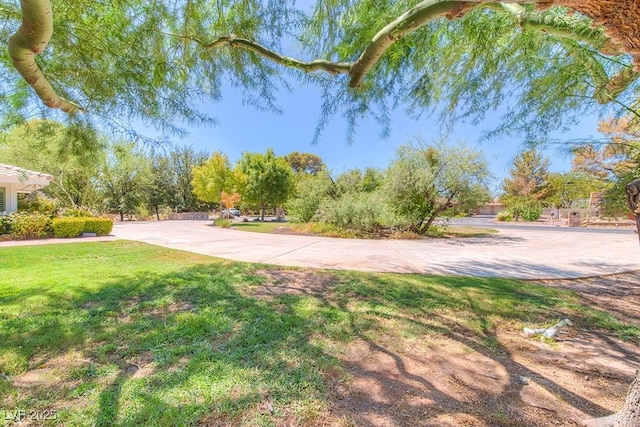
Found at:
(230, 200)
(123, 178)
(527, 186)
(425, 182)
(212, 178)
(267, 179)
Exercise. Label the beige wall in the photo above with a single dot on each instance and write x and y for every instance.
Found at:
(11, 197)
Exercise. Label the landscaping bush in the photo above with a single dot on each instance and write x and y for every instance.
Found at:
(505, 216)
(68, 227)
(100, 226)
(30, 226)
(221, 222)
(37, 202)
(360, 212)
(527, 211)
(5, 224)
(76, 213)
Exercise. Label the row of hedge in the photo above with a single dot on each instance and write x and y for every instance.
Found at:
(75, 226)
(37, 226)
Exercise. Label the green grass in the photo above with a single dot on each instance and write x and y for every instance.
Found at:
(258, 227)
(214, 353)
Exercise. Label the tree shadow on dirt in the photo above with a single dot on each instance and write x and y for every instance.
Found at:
(222, 345)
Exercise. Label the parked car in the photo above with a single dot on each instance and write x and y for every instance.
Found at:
(230, 212)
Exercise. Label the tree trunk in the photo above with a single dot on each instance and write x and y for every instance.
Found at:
(629, 415)
(157, 213)
(121, 216)
(263, 208)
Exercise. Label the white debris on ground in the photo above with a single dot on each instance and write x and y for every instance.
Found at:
(548, 332)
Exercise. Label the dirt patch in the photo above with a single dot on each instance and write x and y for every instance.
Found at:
(293, 282)
(453, 379)
(618, 294)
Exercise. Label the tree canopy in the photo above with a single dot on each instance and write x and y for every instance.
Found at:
(153, 61)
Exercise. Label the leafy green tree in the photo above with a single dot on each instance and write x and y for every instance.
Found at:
(59, 150)
(214, 177)
(123, 178)
(160, 191)
(182, 161)
(310, 192)
(305, 163)
(565, 188)
(268, 179)
(528, 185)
(427, 181)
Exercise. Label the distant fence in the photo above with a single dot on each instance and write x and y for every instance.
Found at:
(189, 215)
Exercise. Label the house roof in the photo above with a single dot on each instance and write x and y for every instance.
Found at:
(26, 179)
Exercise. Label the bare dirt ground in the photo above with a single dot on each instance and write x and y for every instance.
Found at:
(451, 378)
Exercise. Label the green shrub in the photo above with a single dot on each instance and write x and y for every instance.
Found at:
(68, 227)
(37, 202)
(527, 211)
(221, 222)
(5, 224)
(100, 226)
(30, 226)
(354, 211)
(505, 216)
(77, 213)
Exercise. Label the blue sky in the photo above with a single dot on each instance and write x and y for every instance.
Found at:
(245, 128)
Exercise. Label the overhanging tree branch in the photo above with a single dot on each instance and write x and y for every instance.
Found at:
(238, 42)
(31, 39)
(421, 14)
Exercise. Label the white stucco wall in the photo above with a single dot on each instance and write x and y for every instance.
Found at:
(11, 200)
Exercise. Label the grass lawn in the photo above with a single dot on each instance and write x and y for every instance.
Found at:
(124, 333)
(258, 226)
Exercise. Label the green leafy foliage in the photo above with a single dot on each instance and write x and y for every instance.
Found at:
(525, 209)
(427, 181)
(527, 186)
(214, 177)
(356, 211)
(6, 222)
(30, 226)
(123, 177)
(311, 190)
(267, 180)
(504, 216)
(100, 226)
(67, 227)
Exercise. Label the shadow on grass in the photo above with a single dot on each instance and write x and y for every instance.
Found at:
(193, 347)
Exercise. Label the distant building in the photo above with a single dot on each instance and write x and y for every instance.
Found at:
(490, 208)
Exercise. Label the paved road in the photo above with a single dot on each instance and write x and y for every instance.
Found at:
(518, 253)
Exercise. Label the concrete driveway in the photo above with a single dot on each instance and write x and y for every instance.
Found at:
(531, 253)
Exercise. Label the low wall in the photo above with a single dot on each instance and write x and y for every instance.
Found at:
(189, 215)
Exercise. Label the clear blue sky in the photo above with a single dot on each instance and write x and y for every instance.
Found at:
(245, 128)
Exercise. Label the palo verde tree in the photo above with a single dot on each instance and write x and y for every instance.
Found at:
(427, 181)
(149, 60)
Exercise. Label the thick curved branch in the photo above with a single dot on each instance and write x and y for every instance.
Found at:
(241, 43)
(32, 38)
(421, 14)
